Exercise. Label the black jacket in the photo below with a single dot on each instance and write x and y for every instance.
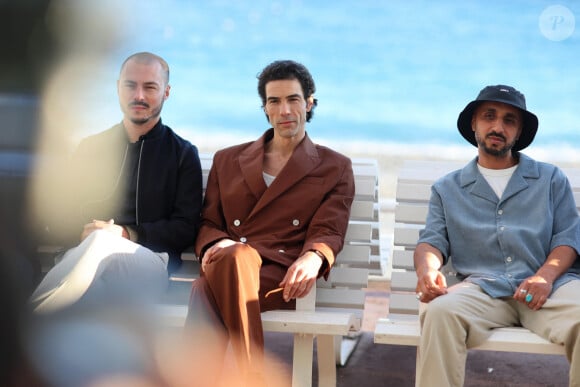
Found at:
(153, 187)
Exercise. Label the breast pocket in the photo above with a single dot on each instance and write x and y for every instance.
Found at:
(312, 180)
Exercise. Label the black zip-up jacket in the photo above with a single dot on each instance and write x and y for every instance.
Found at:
(152, 187)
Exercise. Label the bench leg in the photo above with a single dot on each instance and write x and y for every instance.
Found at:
(326, 360)
(417, 364)
(302, 361)
(344, 346)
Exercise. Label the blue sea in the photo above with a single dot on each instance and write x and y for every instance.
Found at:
(387, 72)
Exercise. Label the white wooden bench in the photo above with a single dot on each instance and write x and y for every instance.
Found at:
(401, 327)
(333, 312)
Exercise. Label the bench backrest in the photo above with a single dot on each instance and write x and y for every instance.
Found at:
(412, 201)
(344, 289)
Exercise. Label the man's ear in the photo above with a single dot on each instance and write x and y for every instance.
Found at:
(309, 103)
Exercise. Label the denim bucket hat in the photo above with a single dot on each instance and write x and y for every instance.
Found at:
(504, 94)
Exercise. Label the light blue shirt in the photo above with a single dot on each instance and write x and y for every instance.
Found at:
(497, 243)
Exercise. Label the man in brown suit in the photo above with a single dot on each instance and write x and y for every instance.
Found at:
(275, 216)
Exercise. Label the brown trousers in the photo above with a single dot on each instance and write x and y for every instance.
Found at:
(226, 302)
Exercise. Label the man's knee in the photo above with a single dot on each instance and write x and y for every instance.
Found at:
(440, 309)
(240, 250)
(238, 254)
(97, 236)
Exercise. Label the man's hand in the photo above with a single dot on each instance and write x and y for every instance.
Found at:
(301, 276)
(533, 291)
(108, 225)
(430, 284)
(209, 253)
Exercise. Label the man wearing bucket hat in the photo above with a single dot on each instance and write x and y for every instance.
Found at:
(509, 227)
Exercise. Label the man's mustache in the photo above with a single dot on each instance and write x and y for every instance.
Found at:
(495, 134)
(139, 104)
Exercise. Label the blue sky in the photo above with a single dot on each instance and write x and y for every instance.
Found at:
(386, 71)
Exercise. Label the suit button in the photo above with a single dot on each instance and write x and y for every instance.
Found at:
(237, 222)
(243, 239)
(295, 222)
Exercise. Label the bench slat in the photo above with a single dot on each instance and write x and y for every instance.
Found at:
(290, 321)
(348, 277)
(326, 323)
(352, 255)
(340, 298)
(364, 188)
(517, 339)
(359, 232)
(403, 259)
(395, 332)
(413, 191)
(403, 281)
(405, 236)
(511, 339)
(404, 303)
(414, 213)
(363, 210)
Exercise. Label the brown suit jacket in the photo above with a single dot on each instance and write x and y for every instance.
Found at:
(306, 207)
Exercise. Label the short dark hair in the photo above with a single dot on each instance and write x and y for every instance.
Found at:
(288, 69)
(147, 58)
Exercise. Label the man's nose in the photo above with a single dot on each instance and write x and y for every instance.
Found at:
(139, 94)
(284, 108)
(499, 125)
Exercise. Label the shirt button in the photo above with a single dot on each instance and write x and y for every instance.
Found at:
(508, 259)
(295, 222)
(237, 222)
(243, 239)
(500, 212)
(501, 228)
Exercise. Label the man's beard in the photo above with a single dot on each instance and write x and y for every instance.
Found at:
(143, 120)
(494, 151)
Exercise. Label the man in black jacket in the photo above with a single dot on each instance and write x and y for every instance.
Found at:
(137, 189)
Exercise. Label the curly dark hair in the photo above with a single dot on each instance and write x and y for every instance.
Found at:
(288, 69)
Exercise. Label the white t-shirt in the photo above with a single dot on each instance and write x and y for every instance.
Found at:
(497, 178)
(268, 179)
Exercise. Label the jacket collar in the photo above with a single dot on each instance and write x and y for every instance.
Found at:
(155, 132)
(303, 160)
(527, 169)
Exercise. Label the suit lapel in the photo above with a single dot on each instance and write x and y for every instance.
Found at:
(250, 163)
(304, 159)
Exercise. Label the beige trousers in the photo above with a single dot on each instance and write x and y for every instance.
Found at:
(104, 268)
(464, 317)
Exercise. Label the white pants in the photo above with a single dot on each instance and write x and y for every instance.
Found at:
(103, 268)
(464, 317)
